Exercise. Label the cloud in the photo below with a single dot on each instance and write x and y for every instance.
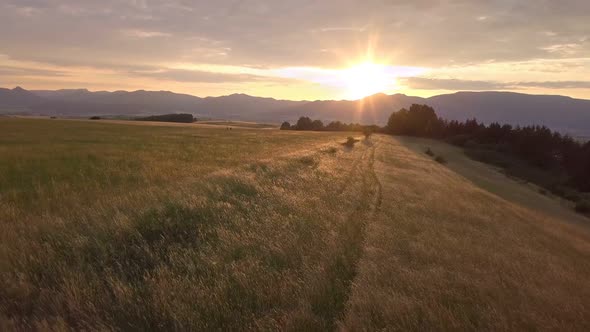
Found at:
(138, 35)
(17, 71)
(556, 84)
(565, 49)
(135, 33)
(422, 83)
(288, 33)
(199, 76)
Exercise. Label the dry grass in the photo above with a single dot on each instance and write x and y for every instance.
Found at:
(110, 226)
(495, 181)
(443, 254)
(239, 124)
(215, 234)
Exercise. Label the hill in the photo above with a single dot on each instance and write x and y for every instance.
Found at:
(200, 228)
(82, 101)
(17, 99)
(557, 112)
(560, 113)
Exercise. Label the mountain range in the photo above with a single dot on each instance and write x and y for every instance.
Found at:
(560, 113)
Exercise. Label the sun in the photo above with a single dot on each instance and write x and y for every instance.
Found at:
(366, 79)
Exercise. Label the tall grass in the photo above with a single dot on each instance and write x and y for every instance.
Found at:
(255, 244)
(443, 254)
(122, 227)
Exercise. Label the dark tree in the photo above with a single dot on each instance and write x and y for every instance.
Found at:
(317, 125)
(419, 120)
(304, 123)
(285, 126)
(181, 117)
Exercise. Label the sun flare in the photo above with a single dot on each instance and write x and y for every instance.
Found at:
(366, 79)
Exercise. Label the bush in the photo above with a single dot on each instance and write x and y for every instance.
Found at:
(583, 207)
(459, 140)
(557, 190)
(350, 142)
(331, 150)
(95, 117)
(572, 195)
(429, 152)
(440, 160)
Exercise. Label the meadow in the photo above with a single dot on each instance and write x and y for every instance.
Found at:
(108, 225)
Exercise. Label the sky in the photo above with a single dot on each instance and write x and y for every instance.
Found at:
(298, 50)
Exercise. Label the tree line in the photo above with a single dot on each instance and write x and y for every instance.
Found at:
(305, 123)
(536, 145)
(176, 117)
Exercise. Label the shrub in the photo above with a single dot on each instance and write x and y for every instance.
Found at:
(95, 117)
(458, 140)
(429, 152)
(308, 161)
(557, 190)
(331, 150)
(440, 160)
(350, 142)
(583, 207)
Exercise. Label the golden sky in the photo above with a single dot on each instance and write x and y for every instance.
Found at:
(298, 49)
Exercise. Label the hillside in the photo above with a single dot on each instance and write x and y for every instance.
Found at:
(199, 228)
(557, 112)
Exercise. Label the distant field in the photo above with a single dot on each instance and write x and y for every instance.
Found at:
(111, 225)
(241, 124)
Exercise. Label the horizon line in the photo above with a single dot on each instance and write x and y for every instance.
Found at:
(302, 100)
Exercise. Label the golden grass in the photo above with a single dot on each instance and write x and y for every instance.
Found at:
(443, 254)
(251, 234)
(491, 179)
(111, 226)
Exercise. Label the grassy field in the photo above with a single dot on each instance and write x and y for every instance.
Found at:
(493, 179)
(124, 226)
(239, 124)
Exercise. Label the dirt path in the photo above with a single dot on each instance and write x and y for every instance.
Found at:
(331, 301)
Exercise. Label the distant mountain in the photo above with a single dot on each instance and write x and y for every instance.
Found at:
(245, 107)
(557, 112)
(374, 109)
(83, 102)
(17, 98)
(561, 113)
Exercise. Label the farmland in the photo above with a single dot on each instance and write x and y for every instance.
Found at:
(141, 227)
